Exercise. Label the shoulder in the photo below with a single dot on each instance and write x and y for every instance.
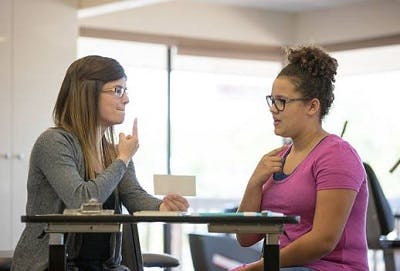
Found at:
(55, 141)
(335, 147)
(56, 147)
(55, 135)
(336, 160)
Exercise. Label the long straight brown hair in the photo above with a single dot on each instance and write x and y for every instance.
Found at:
(77, 108)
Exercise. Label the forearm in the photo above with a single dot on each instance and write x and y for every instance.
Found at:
(74, 190)
(332, 210)
(297, 253)
(251, 202)
(301, 251)
(133, 196)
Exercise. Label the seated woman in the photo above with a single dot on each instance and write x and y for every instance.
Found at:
(78, 160)
(318, 176)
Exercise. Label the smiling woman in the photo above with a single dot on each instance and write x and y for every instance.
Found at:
(78, 160)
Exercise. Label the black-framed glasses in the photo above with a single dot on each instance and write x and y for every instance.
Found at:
(118, 91)
(280, 102)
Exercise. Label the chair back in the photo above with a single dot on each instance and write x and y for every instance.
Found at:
(380, 218)
(207, 250)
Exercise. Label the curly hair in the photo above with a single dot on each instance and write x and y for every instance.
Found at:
(312, 71)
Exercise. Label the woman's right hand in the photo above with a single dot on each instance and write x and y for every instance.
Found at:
(128, 144)
(269, 164)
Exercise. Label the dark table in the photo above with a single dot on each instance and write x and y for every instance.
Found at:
(58, 224)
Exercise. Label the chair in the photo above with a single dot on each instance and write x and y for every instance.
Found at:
(219, 252)
(132, 256)
(5, 260)
(380, 222)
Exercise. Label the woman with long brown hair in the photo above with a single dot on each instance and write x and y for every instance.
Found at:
(78, 160)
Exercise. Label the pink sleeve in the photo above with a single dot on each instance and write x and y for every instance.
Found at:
(339, 166)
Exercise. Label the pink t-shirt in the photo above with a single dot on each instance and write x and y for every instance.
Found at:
(332, 164)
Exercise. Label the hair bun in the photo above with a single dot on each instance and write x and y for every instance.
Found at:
(314, 61)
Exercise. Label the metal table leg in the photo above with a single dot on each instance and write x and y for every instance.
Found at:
(271, 252)
(57, 257)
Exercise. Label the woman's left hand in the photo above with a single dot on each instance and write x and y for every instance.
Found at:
(174, 202)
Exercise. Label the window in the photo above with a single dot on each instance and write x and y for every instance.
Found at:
(221, 127)
(221, 122)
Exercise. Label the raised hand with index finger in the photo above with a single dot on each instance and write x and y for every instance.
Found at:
(128, 144)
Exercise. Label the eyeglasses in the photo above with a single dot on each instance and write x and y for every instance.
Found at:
(280, 102)
(118, 91)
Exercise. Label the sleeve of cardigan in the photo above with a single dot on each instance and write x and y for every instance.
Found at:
(57, 156)
(133, 196)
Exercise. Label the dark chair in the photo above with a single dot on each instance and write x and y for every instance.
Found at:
(5, 260)
(134, 259)
(220, 252)
(380, 222)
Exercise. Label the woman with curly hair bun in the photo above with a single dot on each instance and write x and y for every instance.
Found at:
(318, 176)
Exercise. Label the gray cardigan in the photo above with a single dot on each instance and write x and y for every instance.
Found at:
(56, 181)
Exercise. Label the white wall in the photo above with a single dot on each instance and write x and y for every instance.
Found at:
(203, 20)
(5, 123)
(37, 43)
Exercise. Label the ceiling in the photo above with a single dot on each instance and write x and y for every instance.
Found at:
(288, 5)
(96, 7)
